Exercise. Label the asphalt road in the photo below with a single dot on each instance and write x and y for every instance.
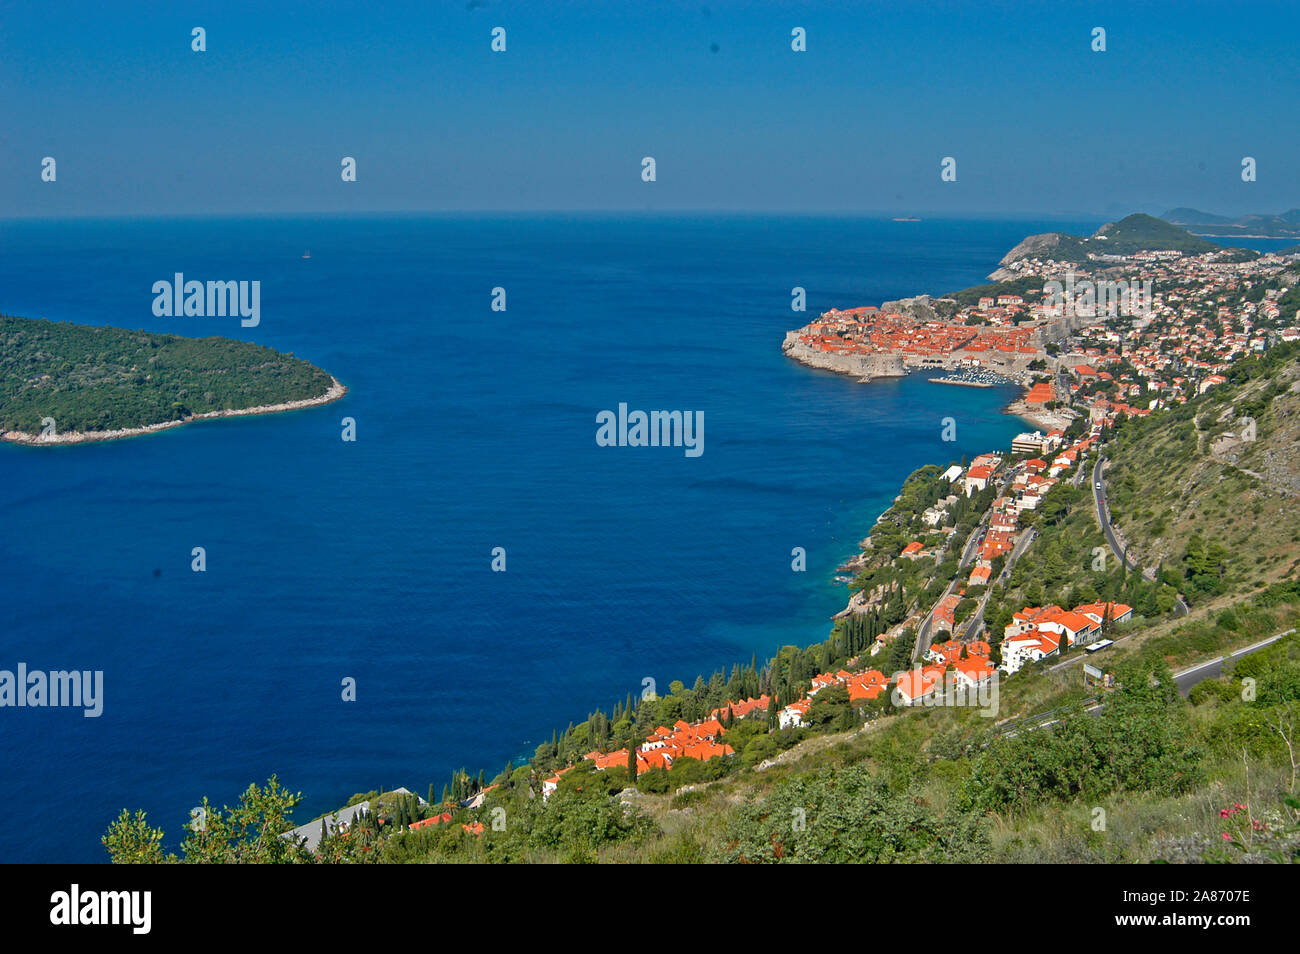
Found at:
(971, 548)
(1103, 508)
(1185, 679)
(976, 621)
(1214, 668)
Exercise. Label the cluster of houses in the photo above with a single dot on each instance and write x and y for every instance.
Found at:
(1031, 481)
(867, 330)
(952, 664)
(1037, 632)
(1187, 338)
(474, 828)
(962, 664)
(692, 740)
(965, 665)
(1178, 344)
(861, 686)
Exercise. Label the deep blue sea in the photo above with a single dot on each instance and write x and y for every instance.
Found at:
(475, 429)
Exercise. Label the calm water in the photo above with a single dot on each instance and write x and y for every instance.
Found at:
(476, 429)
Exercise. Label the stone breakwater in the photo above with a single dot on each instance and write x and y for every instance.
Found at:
(335, 392)
(860, 365)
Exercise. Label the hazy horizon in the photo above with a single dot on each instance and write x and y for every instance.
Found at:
(260, 120)
(932, 214)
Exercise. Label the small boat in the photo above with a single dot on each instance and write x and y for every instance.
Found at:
(307, 254)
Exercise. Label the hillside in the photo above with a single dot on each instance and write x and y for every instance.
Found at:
(96, 379)
(1185, 482)
(1134, 233)
(1285, 225)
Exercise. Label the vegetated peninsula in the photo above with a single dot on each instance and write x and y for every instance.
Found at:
(1130, 235)
(64, 383)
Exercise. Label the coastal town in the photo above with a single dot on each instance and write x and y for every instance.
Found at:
(1091, 343)
(949, 594)
(1079, 337)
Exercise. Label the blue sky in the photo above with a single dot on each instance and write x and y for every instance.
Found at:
(1038, 123)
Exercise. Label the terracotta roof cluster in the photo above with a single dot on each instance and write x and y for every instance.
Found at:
(867, 331)
(1041, 393)
(692, 740)
(430, 821)
(742, 709)
(1035, 632)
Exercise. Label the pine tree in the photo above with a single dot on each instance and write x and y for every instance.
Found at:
(900, 657)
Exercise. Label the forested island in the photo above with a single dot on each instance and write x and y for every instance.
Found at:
(66, 383)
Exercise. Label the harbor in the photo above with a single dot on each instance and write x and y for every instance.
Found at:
(973, 379)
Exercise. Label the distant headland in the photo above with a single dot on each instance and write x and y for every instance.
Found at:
(64, 383)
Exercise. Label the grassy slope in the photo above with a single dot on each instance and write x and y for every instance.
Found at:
(1167, 484)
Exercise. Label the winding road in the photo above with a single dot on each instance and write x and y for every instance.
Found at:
(971, 548)
(1108, 530)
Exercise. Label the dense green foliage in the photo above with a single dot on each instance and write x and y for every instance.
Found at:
(1140, 745)
(1140, 232)
(839, 816)
(90, 378)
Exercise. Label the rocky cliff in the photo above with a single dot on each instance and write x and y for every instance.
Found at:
(859, 365)
(1032, 246)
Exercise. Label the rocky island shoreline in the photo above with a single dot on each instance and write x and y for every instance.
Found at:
(336, 391)
(63, 383)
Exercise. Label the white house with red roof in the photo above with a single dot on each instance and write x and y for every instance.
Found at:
(1027, 647)
(917, 684)
(973, 671)
(793, 714)
(976, 479)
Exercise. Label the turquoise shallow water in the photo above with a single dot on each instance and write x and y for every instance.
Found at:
(476, 429)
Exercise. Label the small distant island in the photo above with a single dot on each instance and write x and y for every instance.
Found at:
(65, 383)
